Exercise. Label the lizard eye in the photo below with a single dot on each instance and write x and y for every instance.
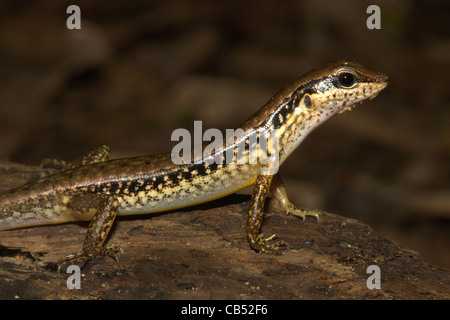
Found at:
(347, 79)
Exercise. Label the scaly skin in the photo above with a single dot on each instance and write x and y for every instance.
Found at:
(99, 189)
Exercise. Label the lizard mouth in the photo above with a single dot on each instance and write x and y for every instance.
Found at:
(353, 105)
(373, 94)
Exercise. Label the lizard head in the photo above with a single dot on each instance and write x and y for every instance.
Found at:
(309, 101)
(336, 88)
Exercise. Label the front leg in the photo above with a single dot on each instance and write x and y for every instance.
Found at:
(97, 232)
(278, 191)
(255, 216)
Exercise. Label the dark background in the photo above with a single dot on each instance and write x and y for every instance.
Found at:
(137, 70)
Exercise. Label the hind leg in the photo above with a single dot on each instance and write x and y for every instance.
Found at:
(99, 154)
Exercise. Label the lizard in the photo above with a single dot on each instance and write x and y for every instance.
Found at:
(98, 189)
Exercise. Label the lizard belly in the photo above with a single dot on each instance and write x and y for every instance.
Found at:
(199, 189)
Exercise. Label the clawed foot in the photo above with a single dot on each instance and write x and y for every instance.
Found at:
(262, 245)
(278, 191)
(85, 255)
(301, 212)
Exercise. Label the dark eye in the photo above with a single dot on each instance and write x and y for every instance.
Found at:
(347, 79)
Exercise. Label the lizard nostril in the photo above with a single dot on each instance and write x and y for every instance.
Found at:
(382, 78)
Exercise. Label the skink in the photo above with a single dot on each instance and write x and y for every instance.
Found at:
(98, 189)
